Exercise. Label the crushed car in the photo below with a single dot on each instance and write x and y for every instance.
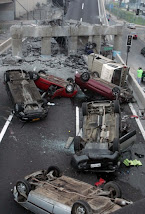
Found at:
(94, 86)
(27, 101)
(53, 86)
(48, 191)
(102, 141)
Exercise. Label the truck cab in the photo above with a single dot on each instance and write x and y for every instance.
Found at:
(107, 69)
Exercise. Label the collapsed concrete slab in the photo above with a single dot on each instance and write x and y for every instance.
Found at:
(71, 30)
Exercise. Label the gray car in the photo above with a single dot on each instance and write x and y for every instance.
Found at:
(27, 102)
(47, 191)
(102, 141)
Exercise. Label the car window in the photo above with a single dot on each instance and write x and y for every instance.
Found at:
(116, 76)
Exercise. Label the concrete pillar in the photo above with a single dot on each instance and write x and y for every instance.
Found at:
(97, 40)
(117, 42)
(90, 39)
(46, 46)
(17, 47)
(72, 45)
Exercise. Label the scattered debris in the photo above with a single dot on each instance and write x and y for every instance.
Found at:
(50, 104)
(133, 116)
(132, 162)
(69, 142)
(139, 155)
(100, 182)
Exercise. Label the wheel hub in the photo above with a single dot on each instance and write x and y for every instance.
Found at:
(21, 188)
(80, 210)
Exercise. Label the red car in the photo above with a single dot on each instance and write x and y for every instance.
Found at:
(92, 85)
(134, 36)
(55, 86)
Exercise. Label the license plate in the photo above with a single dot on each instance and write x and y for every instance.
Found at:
(36, 119)
(95, 165)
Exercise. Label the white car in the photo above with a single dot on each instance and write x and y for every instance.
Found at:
(131, 26)
(47, 192)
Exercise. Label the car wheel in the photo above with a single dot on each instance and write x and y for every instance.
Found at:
(81, 207)
(85, 76)
(116, 106)
(114, 189)
(18, 108)
(84, 109)
(41, 72)
(6, 77)
(95, 74)
(144, 54)
(23, 187)
(116, 91)
(116, 145)
(78, 146)
(70, 80)
(70, 88)
(54, 171)
(33, 75)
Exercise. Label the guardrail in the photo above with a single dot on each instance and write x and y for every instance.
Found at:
(137, 90)
(5, 45)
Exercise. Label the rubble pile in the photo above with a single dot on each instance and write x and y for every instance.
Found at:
(60, 64)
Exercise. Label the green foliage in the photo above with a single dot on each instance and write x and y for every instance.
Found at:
(126, 15)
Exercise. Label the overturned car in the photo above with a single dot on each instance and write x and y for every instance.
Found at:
(102, 142)
(53, 86)
(47, 191)
(27, 101)
(94, 86)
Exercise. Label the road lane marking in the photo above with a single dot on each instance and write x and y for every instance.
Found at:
(6, 126)
(77, 121)
(137, 120)
(82, 6)
(81, 20)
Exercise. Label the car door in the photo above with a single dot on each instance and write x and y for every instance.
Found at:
(39, 204)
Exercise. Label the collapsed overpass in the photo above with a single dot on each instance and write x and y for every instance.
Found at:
(72, 30)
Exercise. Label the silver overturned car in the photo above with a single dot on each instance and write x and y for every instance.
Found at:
(47, 191)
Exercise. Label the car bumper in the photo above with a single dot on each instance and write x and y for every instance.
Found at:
(33, 116)
(82, 163)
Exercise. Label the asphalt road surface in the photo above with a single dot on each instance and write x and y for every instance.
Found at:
(84, 10)
(28, 147)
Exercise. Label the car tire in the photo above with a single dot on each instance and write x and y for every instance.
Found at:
(114, 188)
(18, 108)
(23, 187)
(116, 145)
(70, 88)
(55, 171)
(81, 206)
(41, 72)
(78, 146)
(85, 76)
(84, 109)
(95, 74)
(6, 77)
(33, 75)
(116, 106)
(70, 80)
(116, 91)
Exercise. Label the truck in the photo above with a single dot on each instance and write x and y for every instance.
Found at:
(108, 69)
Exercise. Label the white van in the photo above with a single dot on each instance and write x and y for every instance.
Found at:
(107, 69)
